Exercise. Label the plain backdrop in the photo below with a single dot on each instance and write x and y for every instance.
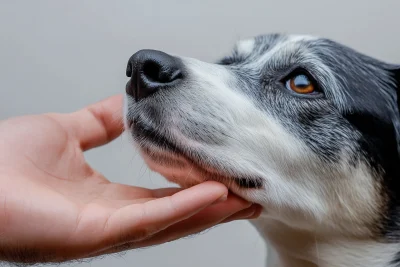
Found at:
(58, 56)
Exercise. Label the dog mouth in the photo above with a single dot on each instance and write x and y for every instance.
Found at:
(143, 133)
(147, 136)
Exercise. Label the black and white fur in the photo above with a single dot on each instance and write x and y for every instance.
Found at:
(325, 168)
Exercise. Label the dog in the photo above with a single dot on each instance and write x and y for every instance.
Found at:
(304, 126)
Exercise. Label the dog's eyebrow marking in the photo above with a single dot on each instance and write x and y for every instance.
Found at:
(281, 44)
(245, 47)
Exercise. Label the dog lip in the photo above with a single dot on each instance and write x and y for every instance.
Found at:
(143, 131)
(250, 183)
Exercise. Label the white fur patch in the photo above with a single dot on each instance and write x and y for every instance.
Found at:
(245, 47)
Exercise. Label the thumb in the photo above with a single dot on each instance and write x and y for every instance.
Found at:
(97, 124)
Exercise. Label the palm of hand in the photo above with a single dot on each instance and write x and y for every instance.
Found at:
(59, 208)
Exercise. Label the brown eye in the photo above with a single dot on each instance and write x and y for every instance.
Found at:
(301, 84)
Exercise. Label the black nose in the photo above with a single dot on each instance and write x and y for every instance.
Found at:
(150, 71)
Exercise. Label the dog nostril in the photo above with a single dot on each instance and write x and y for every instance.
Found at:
(158, 73)
(153, 72)
(129, 69)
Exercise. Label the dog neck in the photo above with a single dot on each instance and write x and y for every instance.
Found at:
(288, 247)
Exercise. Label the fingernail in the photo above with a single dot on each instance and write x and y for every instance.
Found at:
(221, 199)
(257, 211)
(253, 213)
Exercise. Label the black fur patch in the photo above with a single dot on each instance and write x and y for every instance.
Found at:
(250, 183)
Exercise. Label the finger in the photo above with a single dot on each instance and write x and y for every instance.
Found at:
(248, 214)
(139, 221)
(97, 124)
(118, 191)
(164, 192)
(119, 195)
(203, 220)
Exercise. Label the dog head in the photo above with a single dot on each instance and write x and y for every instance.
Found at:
(304, 126)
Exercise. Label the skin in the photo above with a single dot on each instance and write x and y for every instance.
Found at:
(54, 207)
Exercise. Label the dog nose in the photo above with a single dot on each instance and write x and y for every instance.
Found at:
(150, 71)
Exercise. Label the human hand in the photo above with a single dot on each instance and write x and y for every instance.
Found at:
(54, 207)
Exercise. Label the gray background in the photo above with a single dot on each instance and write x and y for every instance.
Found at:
(59, 56)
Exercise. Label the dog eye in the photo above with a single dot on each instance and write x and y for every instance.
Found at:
(301, 84)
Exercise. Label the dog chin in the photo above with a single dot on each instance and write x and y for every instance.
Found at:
(185, 172)
(174, 168)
